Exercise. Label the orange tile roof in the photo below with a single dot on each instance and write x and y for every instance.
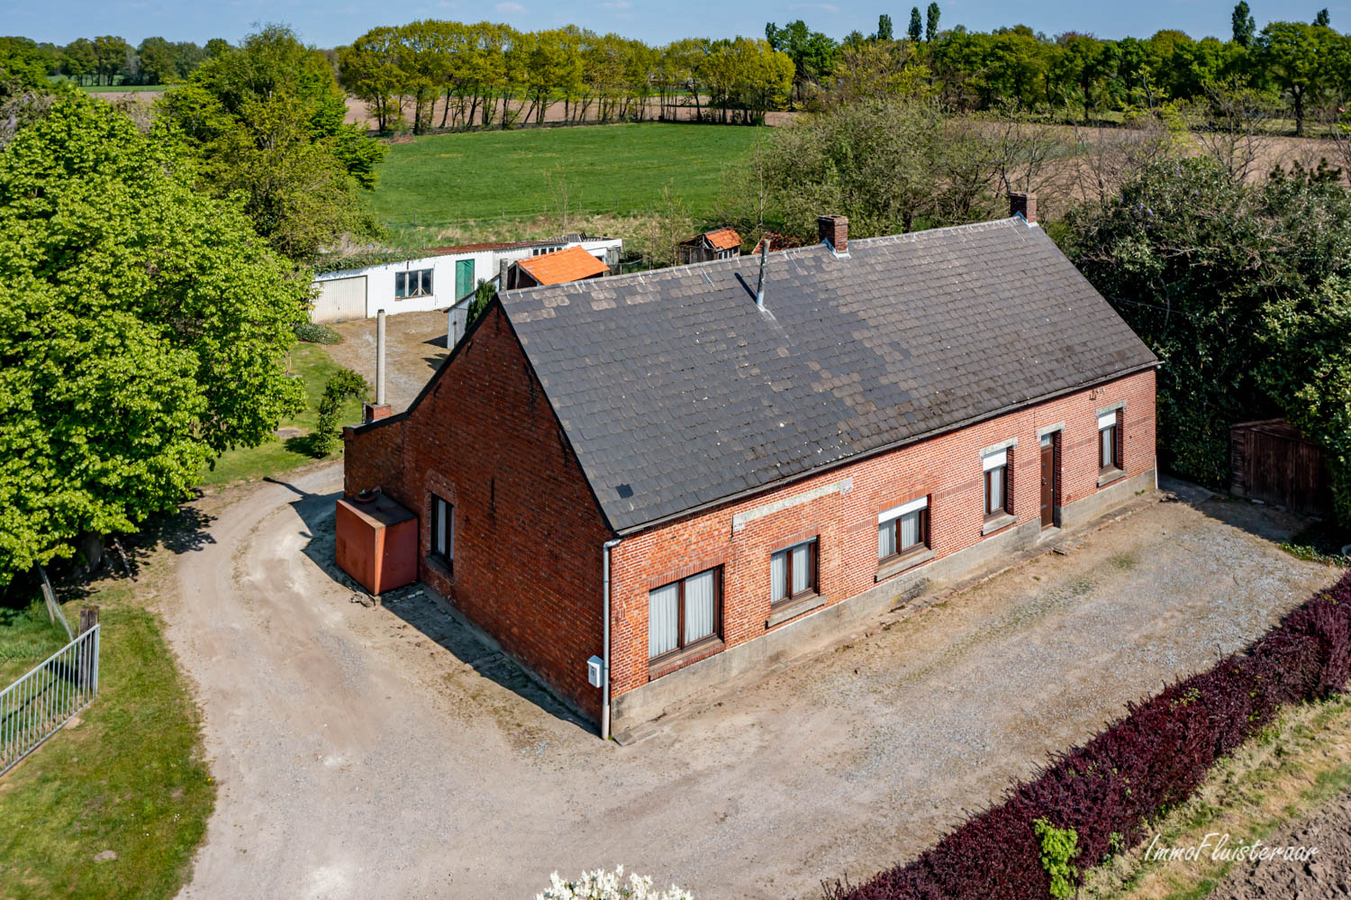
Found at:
(720, 238)
(724, 238)
(572, 264)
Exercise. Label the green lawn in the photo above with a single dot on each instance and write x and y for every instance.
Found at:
(27, 637)
(312, 363)
(127, 779)
(494, 176)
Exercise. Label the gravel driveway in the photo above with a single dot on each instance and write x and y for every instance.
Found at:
(382, 752)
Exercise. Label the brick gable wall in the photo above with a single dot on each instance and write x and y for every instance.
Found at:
(528, 533)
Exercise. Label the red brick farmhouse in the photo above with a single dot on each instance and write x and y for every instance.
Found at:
(657, 472)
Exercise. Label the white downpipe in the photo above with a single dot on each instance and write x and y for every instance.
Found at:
(605, 652)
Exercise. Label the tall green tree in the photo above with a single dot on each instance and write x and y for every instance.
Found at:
(931, 23)
(1244, 25)
(884, 28)
(143, 330)
(1323, 19)
(916, 26)
(266, 121)
(1303, 61)
(1241, 290)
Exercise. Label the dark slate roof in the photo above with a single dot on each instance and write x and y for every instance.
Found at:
(677, 392)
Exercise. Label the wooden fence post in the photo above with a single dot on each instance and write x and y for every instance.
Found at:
(89, 617)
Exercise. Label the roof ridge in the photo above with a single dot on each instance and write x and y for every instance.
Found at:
(790, 252)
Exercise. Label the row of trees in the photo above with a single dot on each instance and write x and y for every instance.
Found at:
(1305, 63)
(493, 75)
(109, 59)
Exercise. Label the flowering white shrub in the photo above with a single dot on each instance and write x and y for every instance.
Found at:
(603, 885)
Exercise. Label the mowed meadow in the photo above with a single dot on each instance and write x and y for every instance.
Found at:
(503, 184)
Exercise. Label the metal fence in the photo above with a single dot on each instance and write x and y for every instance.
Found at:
(35, 707)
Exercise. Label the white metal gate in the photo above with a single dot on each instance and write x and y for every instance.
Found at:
(340, 298)
(35, 707)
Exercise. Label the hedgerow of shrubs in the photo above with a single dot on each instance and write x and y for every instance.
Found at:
(1108, 790)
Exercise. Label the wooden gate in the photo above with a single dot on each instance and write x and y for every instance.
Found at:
(1272, 462)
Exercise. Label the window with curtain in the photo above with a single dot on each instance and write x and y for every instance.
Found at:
(792, 572)
(996, 466)
(1108, 427)
(683, 613)
(443, 524)
(903, 529)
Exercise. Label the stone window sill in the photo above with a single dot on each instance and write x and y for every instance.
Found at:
(667, 665)
(439, 566)
(794, 608)
(998, 522)
(896, 566)
(1109, 476)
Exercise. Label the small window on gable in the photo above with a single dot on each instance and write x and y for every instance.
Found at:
(443, 530)
(904, 529)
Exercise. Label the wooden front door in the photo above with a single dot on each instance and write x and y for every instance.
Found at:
(1047, 481)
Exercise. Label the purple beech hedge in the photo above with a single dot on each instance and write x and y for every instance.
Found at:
(1136, 769)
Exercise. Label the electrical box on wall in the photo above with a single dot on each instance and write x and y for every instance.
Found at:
(595, 671)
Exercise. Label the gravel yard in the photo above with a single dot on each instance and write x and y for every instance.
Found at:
(415, 347)
(371, 752)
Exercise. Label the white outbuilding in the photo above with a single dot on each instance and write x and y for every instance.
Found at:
(439, 279)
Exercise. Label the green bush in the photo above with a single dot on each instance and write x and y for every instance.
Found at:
(340, 387)
(1244, 292)
(1059, 846)
(317, 334)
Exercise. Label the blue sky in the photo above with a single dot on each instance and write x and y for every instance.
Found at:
(329, 25)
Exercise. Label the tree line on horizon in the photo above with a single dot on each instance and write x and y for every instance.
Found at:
(433, 74)
(493, 75)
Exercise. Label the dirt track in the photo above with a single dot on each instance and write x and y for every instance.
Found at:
(1326, 875)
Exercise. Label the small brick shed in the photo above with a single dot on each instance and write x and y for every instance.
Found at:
(654, 473)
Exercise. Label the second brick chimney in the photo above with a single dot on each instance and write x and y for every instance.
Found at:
(834, 230)
(1024, 205)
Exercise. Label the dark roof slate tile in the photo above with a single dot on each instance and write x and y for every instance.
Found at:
(674, 385)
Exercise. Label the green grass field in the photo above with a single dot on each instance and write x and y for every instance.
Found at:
(497, 176)
(115, 804)
(279, 455)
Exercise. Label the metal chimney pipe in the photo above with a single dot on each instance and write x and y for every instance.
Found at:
(760, 282)
(380, 358)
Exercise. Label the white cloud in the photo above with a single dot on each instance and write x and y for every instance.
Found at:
(510, 7)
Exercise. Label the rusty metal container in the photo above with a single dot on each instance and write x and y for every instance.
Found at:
(377, 542)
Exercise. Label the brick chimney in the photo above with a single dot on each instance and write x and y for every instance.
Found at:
(834, 230)
(1024, 205)
(372, 412)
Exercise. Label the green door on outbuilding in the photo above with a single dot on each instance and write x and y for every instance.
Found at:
(464, 278)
